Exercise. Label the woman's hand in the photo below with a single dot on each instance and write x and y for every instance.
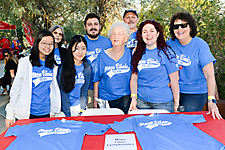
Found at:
(52, 116)
(213, 109)
(176, 107)
(95, 103)
(133, 104)
(8, 122)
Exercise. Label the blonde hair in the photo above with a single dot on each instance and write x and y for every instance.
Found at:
(10, 57)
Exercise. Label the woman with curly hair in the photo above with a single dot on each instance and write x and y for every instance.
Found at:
(197, 80)
(154, 67)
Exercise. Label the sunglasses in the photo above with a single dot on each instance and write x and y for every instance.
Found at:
(182, 25)
(6, 55)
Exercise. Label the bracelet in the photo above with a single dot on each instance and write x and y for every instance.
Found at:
(135, 95)
(211, 97)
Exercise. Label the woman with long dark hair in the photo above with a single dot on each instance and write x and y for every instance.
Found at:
(74, 77)
(197, 80)
(59, 36)
(10, 71)
(35, 81)
(154, 65)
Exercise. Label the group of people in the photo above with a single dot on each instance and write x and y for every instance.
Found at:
(135, 68)
(5, 44)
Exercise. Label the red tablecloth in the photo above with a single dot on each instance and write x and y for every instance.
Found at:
(214, 128)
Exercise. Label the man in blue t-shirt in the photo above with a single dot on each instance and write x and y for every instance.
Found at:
(95, 44)
(130, 17)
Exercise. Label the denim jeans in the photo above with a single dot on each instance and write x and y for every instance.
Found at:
(141, 104)
(193, 102)
(122, 103)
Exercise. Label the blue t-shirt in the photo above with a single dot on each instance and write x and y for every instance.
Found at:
(114, 76)
(57, 56)
(132, 41)
(153, 76)
(168, 131)
(53, 135)
(41, 81)
(74, 95)
(94, 47)
(192, 58)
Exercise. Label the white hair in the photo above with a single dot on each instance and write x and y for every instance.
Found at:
(124, 26)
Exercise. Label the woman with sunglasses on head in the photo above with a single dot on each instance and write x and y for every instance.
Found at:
(197, 80)
(10, 71)
(154, 65)
(59, 36)
(74, 77)
(35, 81)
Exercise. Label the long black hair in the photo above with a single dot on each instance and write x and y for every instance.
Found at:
(34, 57)
(68, 70)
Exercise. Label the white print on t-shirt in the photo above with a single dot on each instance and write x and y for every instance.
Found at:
(150, 63)
(44, 132)
(153, 124)
(183, 60)
(57, 59)
(79, 78)
(132, 43)
(41, 77)
(117, 69)
(94, 54)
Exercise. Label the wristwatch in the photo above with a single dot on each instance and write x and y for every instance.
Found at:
(212, 100)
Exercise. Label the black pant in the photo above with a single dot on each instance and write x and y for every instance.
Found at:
(34, 117)
(5, 81)
(122, 103)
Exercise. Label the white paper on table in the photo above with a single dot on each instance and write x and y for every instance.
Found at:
(120, 142)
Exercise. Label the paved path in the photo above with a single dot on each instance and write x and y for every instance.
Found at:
(3, 101)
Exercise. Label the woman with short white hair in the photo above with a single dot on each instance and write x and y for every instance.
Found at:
(112, 73)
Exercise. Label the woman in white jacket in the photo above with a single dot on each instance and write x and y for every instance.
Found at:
(35, 92)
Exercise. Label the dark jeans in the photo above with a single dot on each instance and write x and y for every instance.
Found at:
(122, 103)
(5, 81)
(5, 50)
(43, 116)
(193, 102)
(141, 104)
(35, 117)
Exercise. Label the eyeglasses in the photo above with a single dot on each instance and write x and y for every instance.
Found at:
(60, 34)
(6, 55)
(47, 44)
(182, 25)
(117, 34)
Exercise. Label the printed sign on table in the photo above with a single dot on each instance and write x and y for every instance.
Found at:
(120, 142)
